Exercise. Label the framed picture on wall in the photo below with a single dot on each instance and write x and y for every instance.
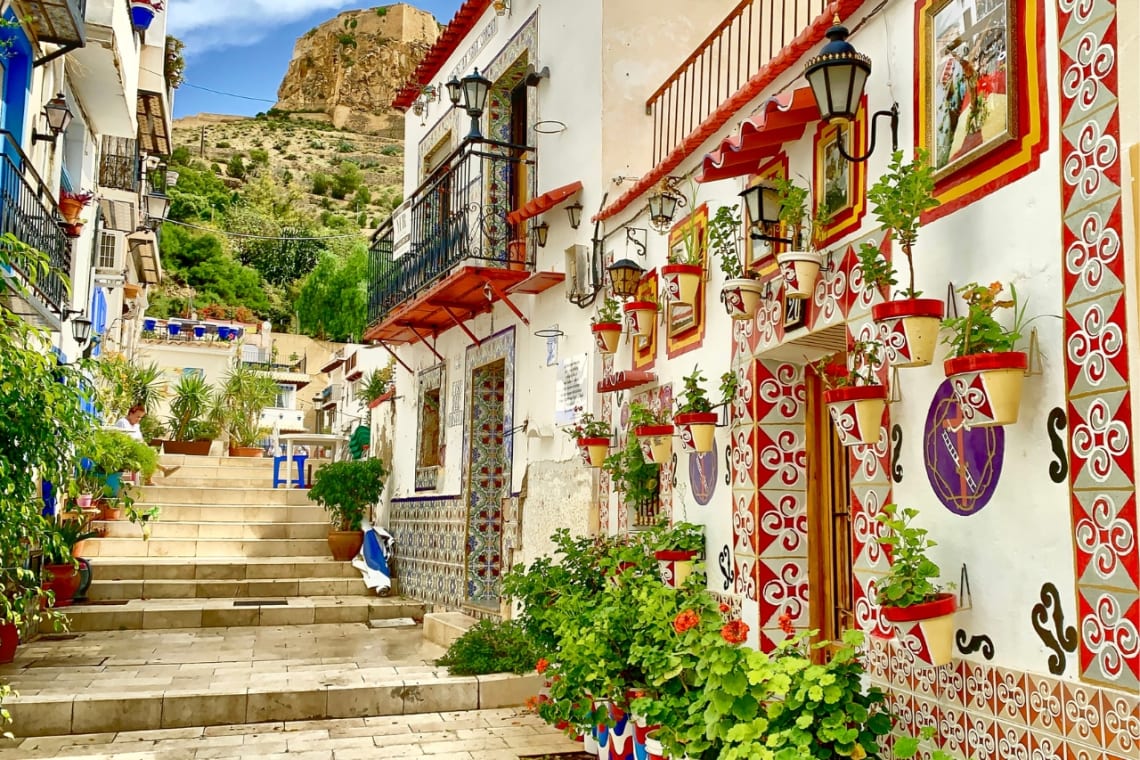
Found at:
(970, 106)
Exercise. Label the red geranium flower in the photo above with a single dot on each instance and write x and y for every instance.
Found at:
(685, 620)
(541, 665)
(724, 608)
(735, 632)
(786, 624)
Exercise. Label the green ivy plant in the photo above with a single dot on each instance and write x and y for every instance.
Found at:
(693, 398)
(978, 331)
(608, 313)
(638, 480)
(347, 489)
(724, 241)
(901, 197)
(911, 578)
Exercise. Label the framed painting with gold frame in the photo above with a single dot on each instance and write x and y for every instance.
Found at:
(838, 184)
(685, 323)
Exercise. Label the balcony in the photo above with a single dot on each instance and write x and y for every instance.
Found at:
(28, 210)
(59, 22)
(462, 253)
(105, 76)
(119, 164)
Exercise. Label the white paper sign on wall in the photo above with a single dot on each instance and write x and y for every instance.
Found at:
(570, 390)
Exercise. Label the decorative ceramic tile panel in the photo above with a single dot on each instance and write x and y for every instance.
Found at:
(429, 554)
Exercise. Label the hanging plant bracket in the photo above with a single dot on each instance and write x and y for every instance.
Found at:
(1034, 367)
(895, 394)
(423, 339)
(951, 302)
(965, 598)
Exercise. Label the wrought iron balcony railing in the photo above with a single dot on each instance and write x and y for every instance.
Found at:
(28, 209)
(458, 214)
(119, 172)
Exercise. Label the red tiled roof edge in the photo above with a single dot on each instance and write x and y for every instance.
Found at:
(462, 23)
(807, 39)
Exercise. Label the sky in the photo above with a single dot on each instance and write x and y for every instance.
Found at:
(243, 47)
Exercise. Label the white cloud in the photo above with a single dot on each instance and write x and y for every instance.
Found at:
(212, 24)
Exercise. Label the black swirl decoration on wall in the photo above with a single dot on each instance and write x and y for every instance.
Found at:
(725, 563)
(674, 474)
(1058, 421)
(728, 465)
(1057, 637)
(969, 644)
(897, 439)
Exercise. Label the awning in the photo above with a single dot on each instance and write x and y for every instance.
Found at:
(542, 203)
(779, 120)
(297, 379)
(143, 245)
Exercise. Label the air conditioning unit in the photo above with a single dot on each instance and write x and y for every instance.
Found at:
(577, 270)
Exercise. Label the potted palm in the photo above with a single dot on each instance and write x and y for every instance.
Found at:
(654, 432)
(741, 292)
(191, 430)
(642, 316)
(853, 395)
(985, 371)
(238, 405)
(592, 437)
(606, 326)
(907, 595)
(901, 197)
(694, 416)
(347, 490)
(800, 265)
(143, 12)
(675, 547)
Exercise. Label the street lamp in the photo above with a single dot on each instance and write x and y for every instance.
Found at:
(541, 231)
(663, 204)
(625, 276)
(474, 88)
(574, 211)
(763, 203)
(157, 207)
(58, 117)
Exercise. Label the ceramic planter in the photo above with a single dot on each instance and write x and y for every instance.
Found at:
(800, 269)
(656, 442)
(63, 580)
(9, 640)
(193, 448)
(857, 412)
(615, 742)
(926, 629)
(141, 16)
(83, 501)
(697, 431)
(130, 290)
(72, 229)
(910, 329)
(741, 297)
(988, 386)
(675, 566)
(594, 450)
(70, 209)
(606, 336)
(246, 451)
(345, 544)
(642, 315)
(682, 281)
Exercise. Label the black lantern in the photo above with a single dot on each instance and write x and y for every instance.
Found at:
(662, 206)
(58, 117)
(454, 91)
(837, 77)
(541, 231)
(574, 211)
(625, 276)
(763, 203)
(81, 330)
(418, 107)
(475, 88)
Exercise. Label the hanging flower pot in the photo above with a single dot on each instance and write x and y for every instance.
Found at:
(675, 566)
(682, 281)
(594, 450)
(800, 269)
(642, 316)
(70, 208)
(606, 336)
(72, 229)
(988, 386)
(142, 13)
(910, 329)
(656, 442)
(697, 431)
(931, 624)
(741, 297)
(857, 412)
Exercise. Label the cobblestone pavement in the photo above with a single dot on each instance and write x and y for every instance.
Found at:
(505, 734)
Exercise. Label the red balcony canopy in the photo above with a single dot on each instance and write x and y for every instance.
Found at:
(542, 203)
(778, 120)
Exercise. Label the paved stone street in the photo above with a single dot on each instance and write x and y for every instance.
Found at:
(504, 734)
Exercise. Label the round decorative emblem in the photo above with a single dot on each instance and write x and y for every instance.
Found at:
(963, 464)
(702, 476)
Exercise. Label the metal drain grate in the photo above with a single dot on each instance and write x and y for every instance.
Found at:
(260, 603)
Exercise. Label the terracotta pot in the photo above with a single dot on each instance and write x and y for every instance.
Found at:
(800, 269)
(642, 316)
(9, 640)
(926, 629)
(345, 544)
(193, 448)
(857, 412)
(910, 329)
(63, 580)
(675, 566)
(988, 386)
(108, 512)
(73, 229)
(606, 336)
(79, 549)
(682, 281)
(697, 431)
(741, 297)
(246, 451)
(656, 442)
(70, 209)
(130, 290)
(594, 450)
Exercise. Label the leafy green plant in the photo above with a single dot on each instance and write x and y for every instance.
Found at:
(588, 427)
(901, 197)
(638, 480)
(680, 536)
(804, 227)
(378, 382)
(909, 581)
(347, 489)
(724, 240)
(608, 312)
(144, 517)
(978, 331)
(60, 539)
(121, 384)
(863, 357)
(190, 410)
(729, 384)
(640, 414)
(693, 398)
(491, 647)
(238, 404)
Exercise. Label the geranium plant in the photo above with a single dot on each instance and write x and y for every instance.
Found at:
(680, 536)
(587, 427)
(858, 369)
(978, 331)
(910, 580)
(694, 399)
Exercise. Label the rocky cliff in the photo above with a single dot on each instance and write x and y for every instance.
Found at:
(349, 68)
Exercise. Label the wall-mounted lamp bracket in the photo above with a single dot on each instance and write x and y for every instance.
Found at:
(893, 115)
(1034, 367)
(639, 236)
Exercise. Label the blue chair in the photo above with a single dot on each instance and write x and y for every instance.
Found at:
(300, 460)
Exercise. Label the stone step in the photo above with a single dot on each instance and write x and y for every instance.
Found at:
(227, 480)
(204, 568)
(231, 530)
(202, 494)
(206, 547)
(278, 513)
(186, 460)
(161, 614)
(115, 590)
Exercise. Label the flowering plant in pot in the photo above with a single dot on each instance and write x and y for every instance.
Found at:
(741, 291)
(592, 436)
(653, 430)
(853, 395)
(606, 326)
(922, 613)
(800, 265)
(347, 490)
(985, 371)
(71, 204)
(694, 416)
(675, 547)
(642, 315)
(901, 197)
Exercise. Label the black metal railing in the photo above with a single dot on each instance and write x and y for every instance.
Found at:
(29, 210)
(459, 213)
(119, 172)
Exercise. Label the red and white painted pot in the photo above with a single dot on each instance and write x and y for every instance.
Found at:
(857, 412)
(988, 386)
(642, 315)
(594, 450)
(799, 270)
(682, 281)
(606, 336)
(697, 431)
(675, 566)
(910, 329)
(656, 442)
(926, 629)
(741, 297)
(616, 742)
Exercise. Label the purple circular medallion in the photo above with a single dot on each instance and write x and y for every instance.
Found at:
(702, 476)
(963, 464)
